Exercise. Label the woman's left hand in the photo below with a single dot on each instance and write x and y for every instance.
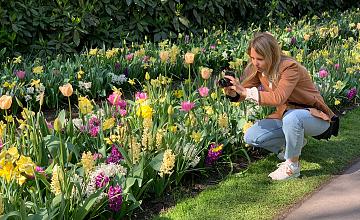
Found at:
(236, 86)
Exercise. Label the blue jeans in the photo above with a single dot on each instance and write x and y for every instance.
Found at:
(274, 134)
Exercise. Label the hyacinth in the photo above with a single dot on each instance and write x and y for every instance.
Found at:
(94, 131)
(107, 170)
(135, 149)
(214, 153)
(115, 155)
(101, 180)
(186, 106)
(336, 66)
(115, 198)
(94, 122)
(168, 163)
(223, 120)
(351, 93)
(88, 162)
(56, 179)
(159, 137)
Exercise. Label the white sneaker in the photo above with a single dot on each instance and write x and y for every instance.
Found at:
(281, 155)
(285, 171)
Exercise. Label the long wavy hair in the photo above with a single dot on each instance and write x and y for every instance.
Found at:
(267, 46)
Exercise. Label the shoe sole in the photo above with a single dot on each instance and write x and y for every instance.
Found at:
(288, 178)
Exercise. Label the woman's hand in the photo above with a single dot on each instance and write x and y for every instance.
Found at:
(235, 88)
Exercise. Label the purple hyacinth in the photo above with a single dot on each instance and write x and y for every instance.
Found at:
(126, 72)
(115, 198)
(117, 66)
(214, 153)
(101, 180)
(293, 40)
(115, 155)
(351, 93)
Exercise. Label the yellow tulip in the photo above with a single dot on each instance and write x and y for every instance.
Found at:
(189, 58)
(205, 73)
(66, 90)
(5, 102)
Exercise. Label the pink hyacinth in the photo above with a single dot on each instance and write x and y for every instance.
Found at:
(94, 131)
(115, 198)
(123, 112)
(351, 93)
(186, 106)
(115, 155)
(203, 91)
(140, 95)
(212, 47)
(101, 180)
(336, 66)
(323, 73)
(97, 156)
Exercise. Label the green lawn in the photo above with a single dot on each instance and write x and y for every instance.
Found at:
(252, 195)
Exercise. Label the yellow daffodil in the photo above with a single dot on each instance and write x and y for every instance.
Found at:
(17, 60)
(38, 69)
(85, 105)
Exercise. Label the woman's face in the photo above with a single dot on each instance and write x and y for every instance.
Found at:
(258, 61)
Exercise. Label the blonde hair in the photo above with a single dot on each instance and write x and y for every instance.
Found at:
(267, 46)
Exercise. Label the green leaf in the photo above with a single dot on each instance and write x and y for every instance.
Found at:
(2, 51)
(84, 209)
(76, 38)
(73, 149)
(52, 144)
(196, 15)
(184, 21)
(176, 23)
(156, 162)
(11, 214)
(62, 118)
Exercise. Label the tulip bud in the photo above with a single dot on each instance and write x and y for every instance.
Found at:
(57, 125)
(170, 110)
(147, 76)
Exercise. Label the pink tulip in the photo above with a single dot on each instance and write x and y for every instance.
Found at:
(20, 74)
(140, 95)
(323, 73)
(203, 91)
(186, 106)
(337, 66)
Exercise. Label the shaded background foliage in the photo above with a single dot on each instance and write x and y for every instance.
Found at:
(43, 28)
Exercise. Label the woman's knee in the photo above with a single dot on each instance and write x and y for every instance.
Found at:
(252, 136)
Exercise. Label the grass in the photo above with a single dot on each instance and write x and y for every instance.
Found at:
(252, 195)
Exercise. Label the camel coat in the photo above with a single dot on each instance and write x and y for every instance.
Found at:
(295, 89)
